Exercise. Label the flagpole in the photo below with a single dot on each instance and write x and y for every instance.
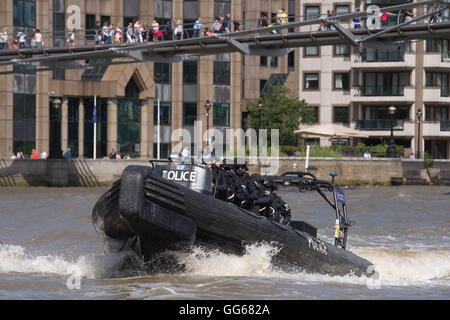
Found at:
(95, 128)
(159, 130)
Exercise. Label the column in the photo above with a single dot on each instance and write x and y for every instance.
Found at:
(64, 123)
(81, 128)
(112, 126)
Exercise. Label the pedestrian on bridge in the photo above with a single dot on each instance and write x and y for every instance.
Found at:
(4, 39)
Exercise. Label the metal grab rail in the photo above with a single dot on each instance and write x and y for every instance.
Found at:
(308, 181)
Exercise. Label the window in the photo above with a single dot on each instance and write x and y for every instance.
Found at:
(341, 81)
(90, 26)
(104, 19)
(73, 118)
(190, 72)
(376, 55)
(163, 9)
(97, 69)
(376, 113)
(341, 50)
(262, 84)
(129, 126)
(164, 150)
(24, 110)
(437, 113)
(164, 113)
(24, 122)
(24, 13)
(263, 61)
(162, 72)
(340, 114)
(312, 12)
(274, 61)
(221, 114)
(385, 83)
(222, 7)
(312, 51)
(188, 28)
(316, 113)
(59, 24)
(311, 81)
(291, 61)
(130, 11)
(438, 79)
(102, 121)
(342, 9)
(189, 113)
(221, 72)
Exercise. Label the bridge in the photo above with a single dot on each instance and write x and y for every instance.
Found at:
(276, 40)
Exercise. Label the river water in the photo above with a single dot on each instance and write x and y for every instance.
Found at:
(50, 250)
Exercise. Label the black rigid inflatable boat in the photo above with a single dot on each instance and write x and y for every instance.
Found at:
(168, 206)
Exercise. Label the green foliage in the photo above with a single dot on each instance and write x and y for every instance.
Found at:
(279, 111)
(320, 152)
(429, 163)
(377, 151)
(289, 150)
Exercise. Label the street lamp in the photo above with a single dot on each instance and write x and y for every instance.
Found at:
(207, 107)
(260, 106)
(55, 130)
(419, 117)
(392, 150)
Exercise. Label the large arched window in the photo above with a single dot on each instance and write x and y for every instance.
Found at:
(129, 121)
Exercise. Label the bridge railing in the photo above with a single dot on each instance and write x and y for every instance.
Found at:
(87, 36)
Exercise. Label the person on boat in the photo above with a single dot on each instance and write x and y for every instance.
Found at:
(240, 182)
(224, 185)
(259, 198)
(278, 207)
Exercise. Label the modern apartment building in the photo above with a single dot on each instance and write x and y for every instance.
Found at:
(356, 87)
(353, 87)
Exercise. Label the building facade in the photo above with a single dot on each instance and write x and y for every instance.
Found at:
(43, 109)
(355, 87)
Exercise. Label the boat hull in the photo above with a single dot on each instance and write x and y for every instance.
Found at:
(152, 214)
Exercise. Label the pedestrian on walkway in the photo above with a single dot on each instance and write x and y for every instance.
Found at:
(37, 39)
(21, 38)
(197, 26)
(4, 39)
(236, 24)
(71, 39)
(34, 154)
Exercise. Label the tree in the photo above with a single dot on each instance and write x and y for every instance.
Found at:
(279, 111)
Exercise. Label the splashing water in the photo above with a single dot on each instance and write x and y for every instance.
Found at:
(15, 259)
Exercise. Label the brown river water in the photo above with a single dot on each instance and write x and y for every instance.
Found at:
(50, 250)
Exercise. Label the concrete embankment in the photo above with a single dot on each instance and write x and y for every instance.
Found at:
(350, 171)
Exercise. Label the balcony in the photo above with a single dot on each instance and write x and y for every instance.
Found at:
(379, 125)
(382, 56)
(383, 94)
(370, 91)
(384, 59)
(445, 125)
